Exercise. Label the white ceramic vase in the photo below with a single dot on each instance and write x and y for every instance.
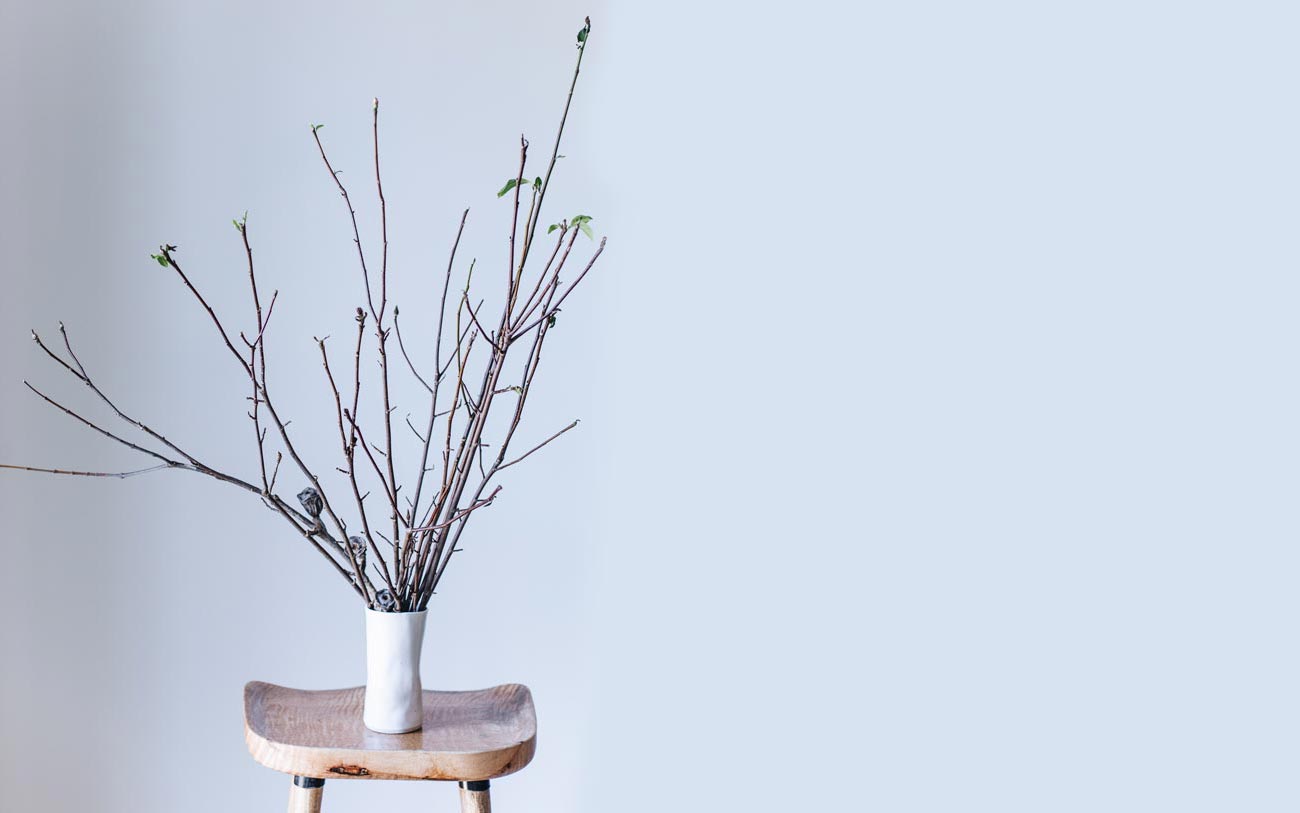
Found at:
(394, 697)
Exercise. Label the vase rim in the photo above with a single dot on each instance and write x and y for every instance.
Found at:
(400, 612)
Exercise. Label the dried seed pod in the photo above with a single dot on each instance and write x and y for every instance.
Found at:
(386, 601)
(311, 502)
(358, 546)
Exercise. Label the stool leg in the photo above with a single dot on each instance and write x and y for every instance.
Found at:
(304, 795)
(474, 797)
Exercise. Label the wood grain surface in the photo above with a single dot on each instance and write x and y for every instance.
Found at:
(466, 736)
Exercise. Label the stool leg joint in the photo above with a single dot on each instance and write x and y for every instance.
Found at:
(308, 782)
(477, 785)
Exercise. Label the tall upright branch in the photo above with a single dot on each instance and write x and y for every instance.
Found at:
(356, 233)
(583, 36)
(437, 364)
(382, 334)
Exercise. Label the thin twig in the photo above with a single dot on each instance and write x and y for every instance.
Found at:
(552, 310)
(356, 233)
(462, 514)
(525, 455)
(397, 328)
(416, 432)
(559, 134)
(72, 413)
(118, 474)
(349, 455)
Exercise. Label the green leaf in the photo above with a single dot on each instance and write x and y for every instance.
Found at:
(235, 223)
(316, 127)
(586, 230)
(537, 182)
(553, 227)
(161, 260)
(582, 35)
(510, 184)
(579, 219)
(550, 320)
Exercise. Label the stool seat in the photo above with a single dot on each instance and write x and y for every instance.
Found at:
(467, 736)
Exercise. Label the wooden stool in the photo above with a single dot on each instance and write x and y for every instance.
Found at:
(468, 737)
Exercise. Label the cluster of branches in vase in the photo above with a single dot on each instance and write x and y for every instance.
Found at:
(395, 554)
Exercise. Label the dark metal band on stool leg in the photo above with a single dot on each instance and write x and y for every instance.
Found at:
(474, 797)
(305, 794)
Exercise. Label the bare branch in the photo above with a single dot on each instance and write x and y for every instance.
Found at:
(101, 430)
(462, 514)
(356, 233)
(554, 309)
(397, 328)
(118, 474)
(474, 316)
(525, 455)
(559, 134)
(559, 242)
(221, 329)
(349, 454)
(80, 373)
(366, 447)
(383, 224)
(415, 431)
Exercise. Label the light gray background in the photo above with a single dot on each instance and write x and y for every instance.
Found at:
(938, 394)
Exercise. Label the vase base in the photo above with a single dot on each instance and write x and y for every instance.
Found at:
(393, 730)
(391, 727)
